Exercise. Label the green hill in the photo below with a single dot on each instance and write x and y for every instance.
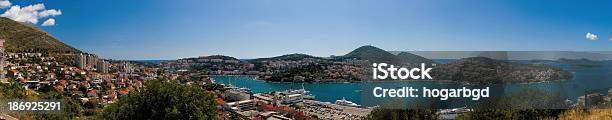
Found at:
(220, 57)
(22, 37)
(373, 54)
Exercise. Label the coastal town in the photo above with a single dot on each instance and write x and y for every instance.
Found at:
(91, 80)
(305, 60)
(286, 68)
(97, 82)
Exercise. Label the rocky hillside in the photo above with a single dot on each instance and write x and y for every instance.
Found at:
(23, 37)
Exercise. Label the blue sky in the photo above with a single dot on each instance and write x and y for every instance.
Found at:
(169, 29)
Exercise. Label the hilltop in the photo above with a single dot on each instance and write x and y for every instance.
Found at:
(290, 57)
(21, 37)
(223, 57)
(374, 54)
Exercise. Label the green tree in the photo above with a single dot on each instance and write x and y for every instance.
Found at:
(72, 109)
(392, 111)
(403, 114)
(161, 99)
(13, 90)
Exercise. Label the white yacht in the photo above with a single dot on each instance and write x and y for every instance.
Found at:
(305, 93)
(301, 91)
(345, 102)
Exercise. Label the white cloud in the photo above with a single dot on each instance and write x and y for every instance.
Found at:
(49, 22)
(48, 13)
(30, 13)
(591, 36)
(18, 14)
(5, 4)
(35, 7)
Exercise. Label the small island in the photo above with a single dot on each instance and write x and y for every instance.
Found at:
(490, 71)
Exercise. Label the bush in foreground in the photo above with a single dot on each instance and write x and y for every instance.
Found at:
(163, 100)
(403, 114)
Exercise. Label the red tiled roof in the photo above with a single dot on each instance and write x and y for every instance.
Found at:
(59, 87)
(124, 91)
(112, 96)
(92, 91)
(220, 101)
(63, 82)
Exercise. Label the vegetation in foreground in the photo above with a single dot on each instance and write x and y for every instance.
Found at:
(163, 99)
(590, 114)
(403, 114)
(13, 90)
